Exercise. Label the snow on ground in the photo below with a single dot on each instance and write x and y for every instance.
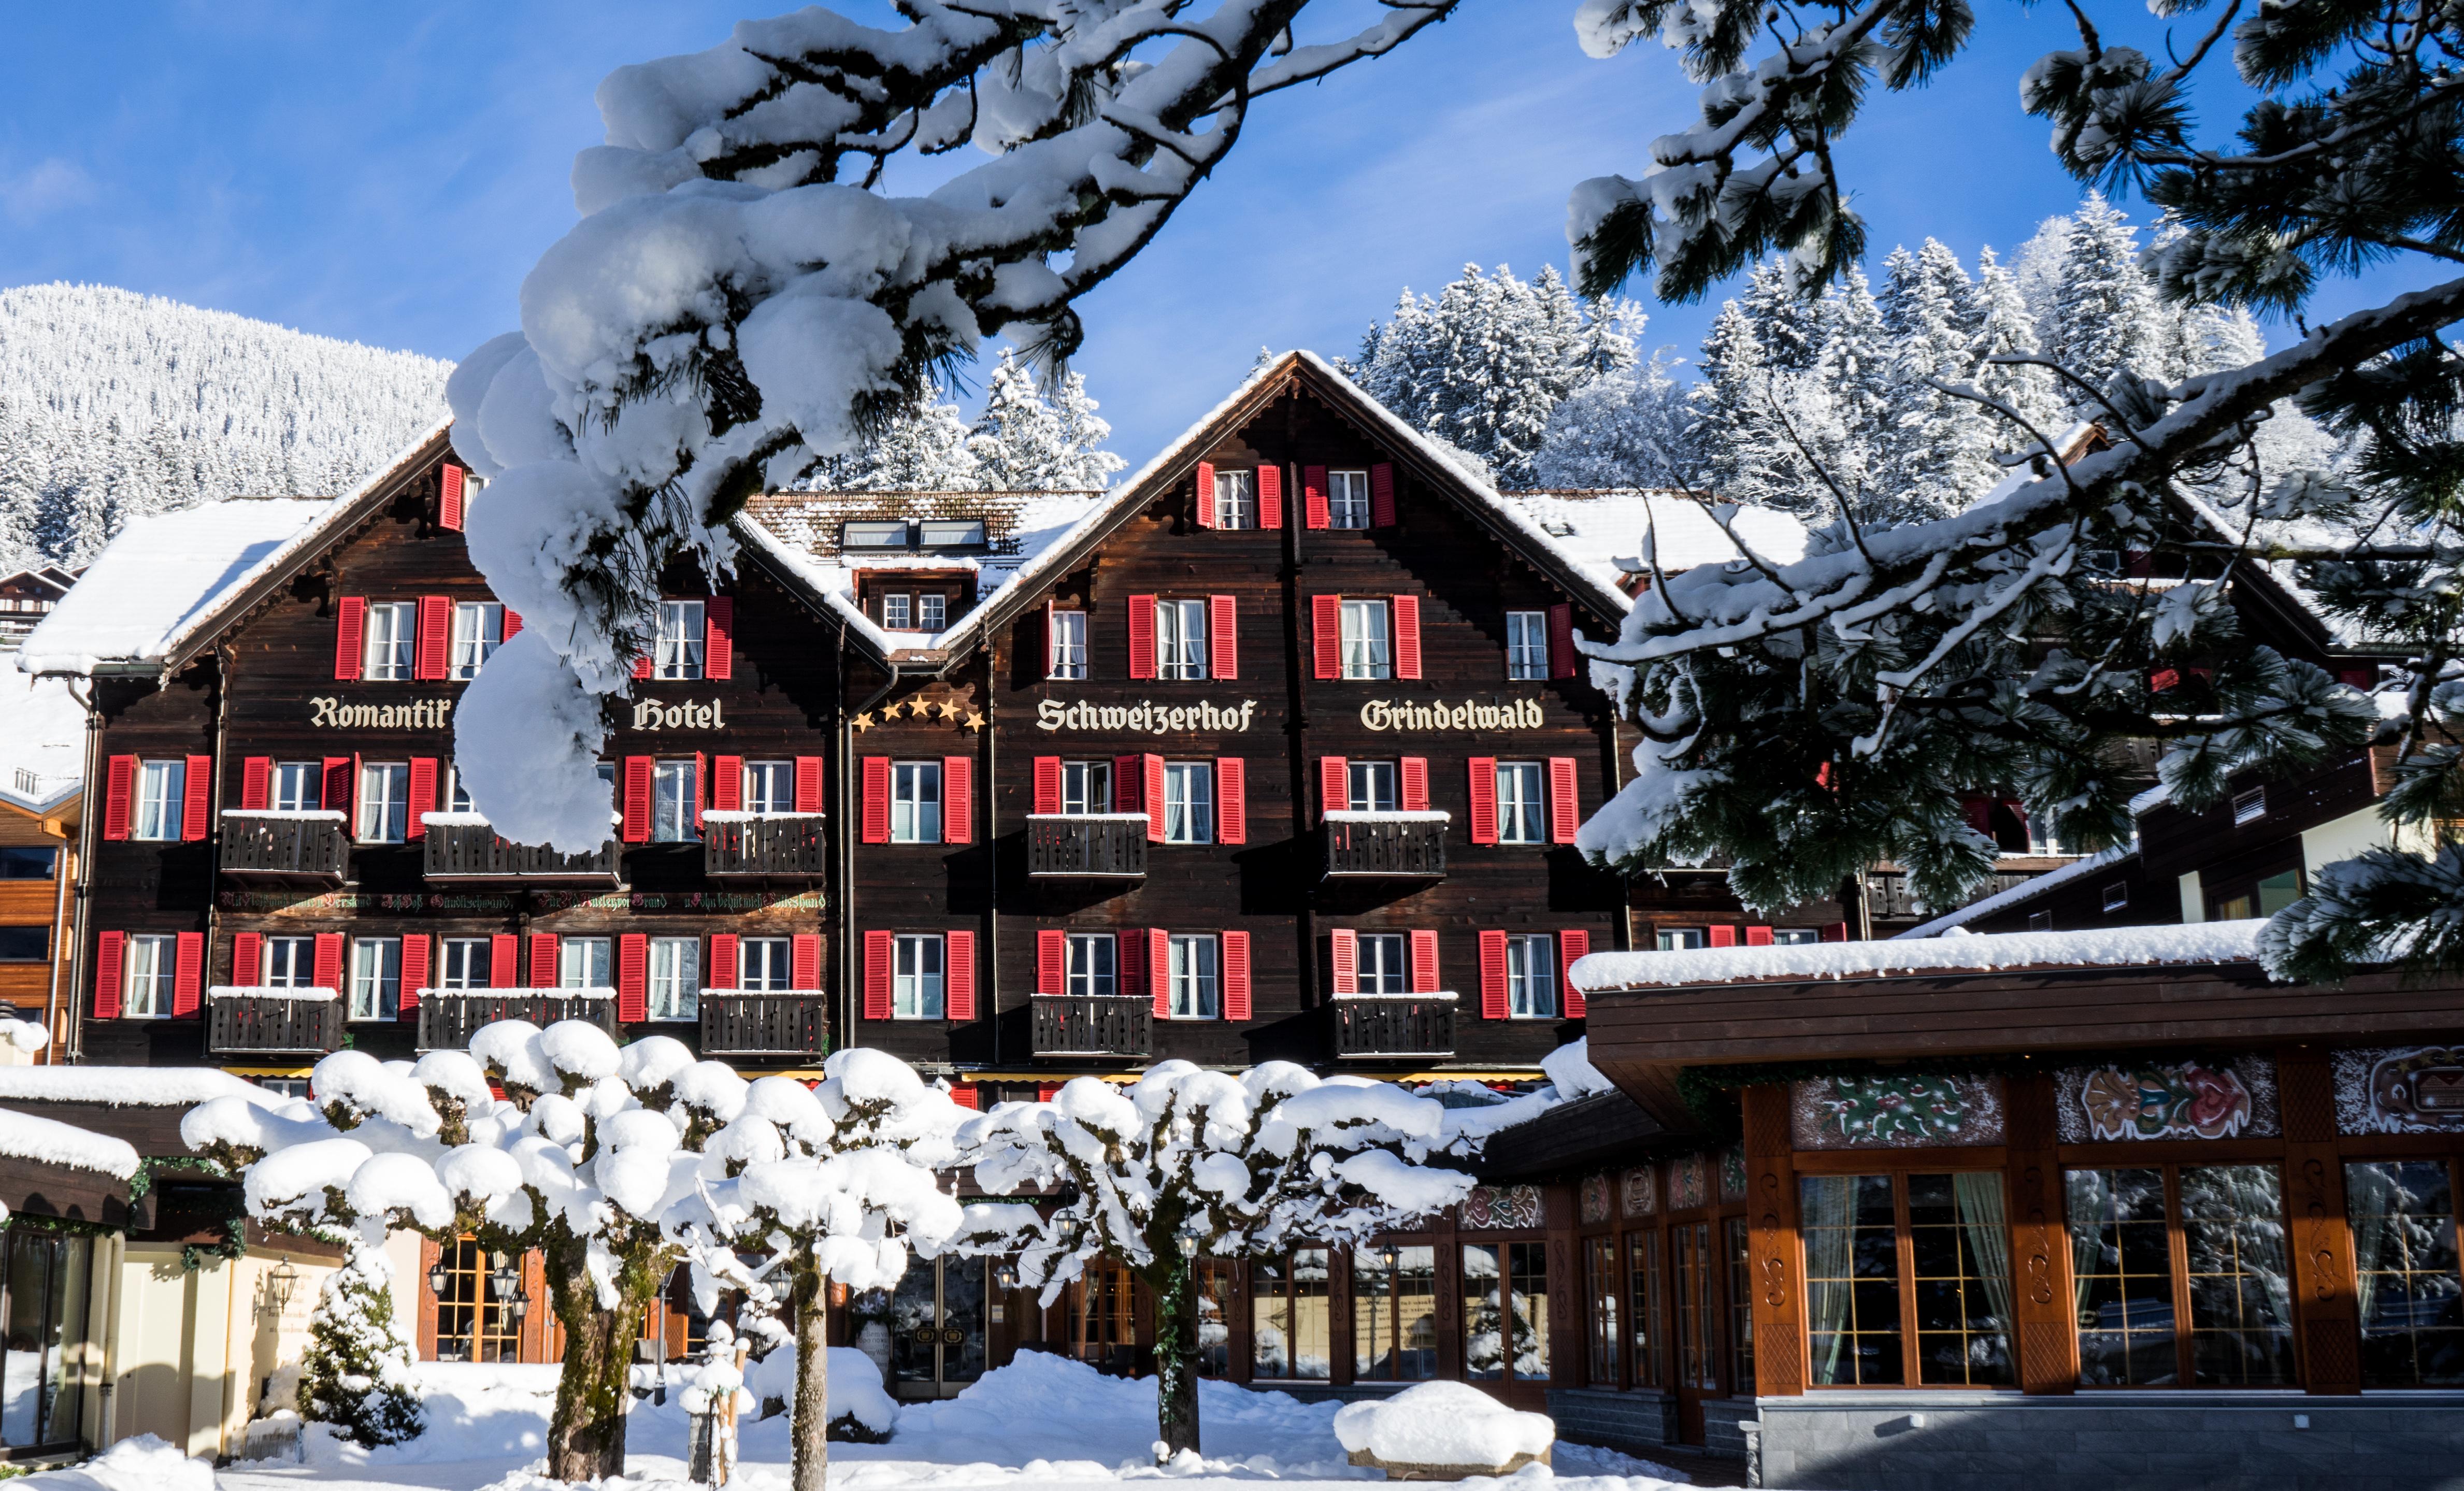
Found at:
(1042, 1422)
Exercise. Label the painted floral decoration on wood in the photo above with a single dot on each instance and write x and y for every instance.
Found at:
(2181, 1100)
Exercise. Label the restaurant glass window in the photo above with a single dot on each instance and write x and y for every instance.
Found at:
(1526, 645)
(1698, 1356)
(1346, 499)
(1213, 1279)
(1735, 1242)
(43, 1280)
(2155, 1246)
(1394, 1314)
(1960, 1276)
(1505, 1303)
(1642, 1311)
(1887, 1258)
(1103, 1322)
(1602, 1324)
(1291, 1331)
(1852, 1279)
(376, 977)
(472, 1324)
(2402, 1214)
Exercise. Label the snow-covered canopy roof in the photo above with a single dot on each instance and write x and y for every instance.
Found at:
(1600, 528)
(48, 1141)
(128, 1087)
(2114, 947)
(42, 742)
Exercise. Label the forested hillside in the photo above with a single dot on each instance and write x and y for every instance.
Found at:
(114, 405)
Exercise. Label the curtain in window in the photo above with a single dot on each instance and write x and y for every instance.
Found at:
(2372, 1199)
(1978, 1196)
(1829, 1204)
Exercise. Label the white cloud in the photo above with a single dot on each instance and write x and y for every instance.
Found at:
(49, 187)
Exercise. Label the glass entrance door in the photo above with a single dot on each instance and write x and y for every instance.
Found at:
(1698, 1326)
(936, 1327)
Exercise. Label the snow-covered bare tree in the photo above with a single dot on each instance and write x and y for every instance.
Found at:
(740, 301)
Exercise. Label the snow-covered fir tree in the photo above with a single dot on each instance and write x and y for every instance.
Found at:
(2101, 314)
(1937, 447)
(923, 448)
(1025, 440)
(1630, 426)
(359, 1370)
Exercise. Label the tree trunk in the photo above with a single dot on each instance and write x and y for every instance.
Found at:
(809, 1423)
(1175, 1352)
(585, 1440)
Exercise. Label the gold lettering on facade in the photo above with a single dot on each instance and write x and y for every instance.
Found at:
(652, 715)
(325, 713)
(1146, 718)
(1469, 714)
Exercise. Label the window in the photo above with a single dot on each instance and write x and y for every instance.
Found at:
(916, 803)
(1196, 993)
(1372, 787)
(2404, 1251)
(2269, 895)
(1642, 1307)
(873, 535)
(932, 611)
(1180, 638)
(376, 977)
(1522, 804)
(762, 964)
(384, 802)
(675, 977)
(290, 963)
(953, 533)
(1188, 802)
(479, 631)
(299, 786)
(1087, 787)
(1526, 644)
(2249, 807)
(1679, 939)
(25, 943)
(678, 653)
(1367, 652)
(44, 1275)
(1741, 1302)
(27, 861)
(391, 637)
(916, 990)
(1920, 1255)
(152, 961)
(585, 963)
(1065, 645)
(674, 795)
(1689, 1257)
(1394, 1314)
(898, 612)
(1213, 1279)
(2117, 895)
(1094, 968)
(1385, 966)
(457, 792)
(1796, 936)
(1506, 1310)
(1532, 975)
(1606, 1337)
(2040, 921)
(472, 1324)
(1346, 499)
(161, 792)
(1236, 499)
(2156, 1246)
(770, 786)
(1291, 1335)
(467, 963)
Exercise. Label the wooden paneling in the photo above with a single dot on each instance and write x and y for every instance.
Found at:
(2326, 1310)
(26, 903)
(1778, 1301)
(2047, 1344)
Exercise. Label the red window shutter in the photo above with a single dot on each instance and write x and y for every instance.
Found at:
(1047, 784)
(880, 953)
(804, 961)
(118, 796)
(727, 784)
(1326, 634)
(1723, 936)
(1836, 931)
(643, 665)
(1346, 960)
(1416, 783)
(958, 799)
(110, 959)
(1160, 969)
(1270, 496)
(423, 794)
(1151, 768)
(512, 624)
(329, 960)
(435, 631)
(350, 629)
(1313, 485)
(1046, 1091)
(1382, 495)
(1483, 800)
(633, 978)
(723, 957)
(1492, 976)
(256, 783)
(1128, 785)
(1231, 800)
(196, 806)
(1561, 641)
(188, 975)
(248, 958)
(809, 785)
(1222, 638)
(415, 973)
(1206, 493)
(964, 1095)
(1980, 815)
(1334, 784)
(1571, 945)
(1424, 962)
(544, 950)
(637, 800)
(1758, 936)
(502, 949)
(338, 785)
(1565, 810)
(959, 975)
(1142, 618)
(1051, 961)
(1130, 951)
(1407, 636)
(718, 637)
(1236, 976)
(449, 498)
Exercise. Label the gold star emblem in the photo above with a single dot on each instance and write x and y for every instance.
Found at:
(974, 722)
(863, 722)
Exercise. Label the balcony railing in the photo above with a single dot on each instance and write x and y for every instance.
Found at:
(1108, 1024)
(306, 848)
(743, 846)
(1401, 845)
(1394, 1024)
(741, 1022)
(461, 847)
(448, 1018)
(254, 1021)
(1106, 846)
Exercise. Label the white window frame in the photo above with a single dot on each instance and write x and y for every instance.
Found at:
(381, 815)
(675, 791)
(1091, 965)
(1346, 499)
(770, 786)
(1180, 641)
(375, 963)
(678, 651)
(675, 978)
(1530, 976)
(468, 963)
(1796, 936)
(919, 976)
(1194, 964)
(1235, 498)
(1526, 645)
(898, 611)
(1680, 939)
(765, 965)
(479, 631)
(932, 610)
(1385, 962)
(151, 966)
(916, 803)
(1189, 801)
(585, 963)
(1522, 813)
(297, 786)
(1086, 786)
(1372, 786)
(162, 801)
(456, 795)
(1368, 639)
(389, 644)
(1064, 646)
(285, 963)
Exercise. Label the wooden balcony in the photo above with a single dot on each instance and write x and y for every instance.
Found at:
(284, 849)
(764, 848)
(741, 1022)
(448, 1018)
(1387, 844)
(1394, 1024)
(1093, 845)
(265, 1022)
(1111, 1024)
(468, 853)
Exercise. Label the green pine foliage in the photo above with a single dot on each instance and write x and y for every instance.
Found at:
(359, 1374)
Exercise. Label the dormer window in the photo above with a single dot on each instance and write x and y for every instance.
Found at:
(953, 534)
(873, 535)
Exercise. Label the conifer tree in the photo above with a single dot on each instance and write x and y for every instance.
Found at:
(359, 1374)
(1997, 313)
(2105, 316)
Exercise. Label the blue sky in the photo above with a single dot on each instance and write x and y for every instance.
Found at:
(389, 173)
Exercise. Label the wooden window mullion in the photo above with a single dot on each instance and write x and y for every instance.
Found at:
(2178, 1248)
(1903, 1250)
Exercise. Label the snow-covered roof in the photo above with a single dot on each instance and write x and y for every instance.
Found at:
(42, 742)
(2024, 891)
(51, 1142)
(2115, 947)
(128, 1087)
(1598, 529)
